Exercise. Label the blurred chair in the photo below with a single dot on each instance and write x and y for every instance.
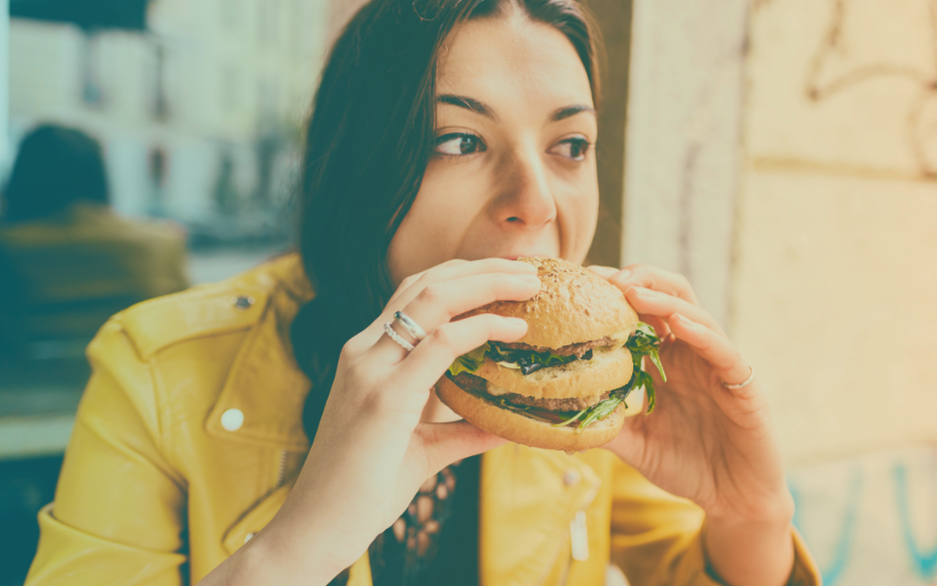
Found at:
(67, 260)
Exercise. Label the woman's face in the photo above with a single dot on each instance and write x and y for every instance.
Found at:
(514, 172)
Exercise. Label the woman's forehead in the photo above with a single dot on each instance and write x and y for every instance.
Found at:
(512, 57)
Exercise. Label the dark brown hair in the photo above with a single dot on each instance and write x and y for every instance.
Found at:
(368, 143)
(55, 168)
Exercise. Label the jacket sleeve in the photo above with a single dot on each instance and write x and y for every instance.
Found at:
(656, 538)
(119, 509)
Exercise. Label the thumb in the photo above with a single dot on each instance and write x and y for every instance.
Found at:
(445, 443)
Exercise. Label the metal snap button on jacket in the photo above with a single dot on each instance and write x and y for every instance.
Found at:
(243, 302)
(232, 419)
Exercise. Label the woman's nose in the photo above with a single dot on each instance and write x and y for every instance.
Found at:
(525, 196)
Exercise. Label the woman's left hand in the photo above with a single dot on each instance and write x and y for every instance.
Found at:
(703, 441)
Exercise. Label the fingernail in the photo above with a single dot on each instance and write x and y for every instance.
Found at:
(624, 274)
(683, 320)
(642, 292)
(529, 279)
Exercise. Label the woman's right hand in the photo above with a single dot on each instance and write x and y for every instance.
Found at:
(371, 452)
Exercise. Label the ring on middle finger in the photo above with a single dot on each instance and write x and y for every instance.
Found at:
(410, 326)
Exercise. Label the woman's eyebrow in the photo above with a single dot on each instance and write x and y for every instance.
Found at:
(568, 111)
(469, 104)
(485, 110)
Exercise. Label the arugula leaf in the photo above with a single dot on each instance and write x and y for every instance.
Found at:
(602, 410)
(643, 379)
(469, 362)
(572, 419)
(644, 342)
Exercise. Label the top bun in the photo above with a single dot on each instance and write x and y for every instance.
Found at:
(573, 306)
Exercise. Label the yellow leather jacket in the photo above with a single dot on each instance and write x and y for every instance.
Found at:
(188, 439)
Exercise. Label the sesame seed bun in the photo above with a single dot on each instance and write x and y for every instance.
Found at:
(574, 307)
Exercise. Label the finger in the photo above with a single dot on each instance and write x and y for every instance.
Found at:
(440, 349)
(658, 324)
(725, 359)
(650, 302)
(409, 281)
(445, 443)
(438, 303)
(411, 286)
(649, 277)
(604, 272)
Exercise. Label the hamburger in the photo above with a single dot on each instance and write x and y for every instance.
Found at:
(563, 385)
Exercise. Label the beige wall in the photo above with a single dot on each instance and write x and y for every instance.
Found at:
(684, 124)
(836, 277)
(782, 154)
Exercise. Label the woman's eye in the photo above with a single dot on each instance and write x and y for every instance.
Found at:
(459, 144)
(572, 148)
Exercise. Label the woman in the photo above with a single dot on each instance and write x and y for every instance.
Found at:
(442, 130)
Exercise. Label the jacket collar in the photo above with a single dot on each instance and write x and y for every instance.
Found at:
(264, 382)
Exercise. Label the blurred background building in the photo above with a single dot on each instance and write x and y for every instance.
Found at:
(780, 153)
(199, 110)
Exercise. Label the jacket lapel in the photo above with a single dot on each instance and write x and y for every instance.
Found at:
(265, 384)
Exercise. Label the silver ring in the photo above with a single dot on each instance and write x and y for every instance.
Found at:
(393, 335)
(410, 326)
(750, 378)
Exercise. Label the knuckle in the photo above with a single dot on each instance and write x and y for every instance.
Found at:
(378, 401)
(408, 282)
(684, 284)
(431, 294)
(443, 335)
(431, 275)
(735, 355)
(351, 348)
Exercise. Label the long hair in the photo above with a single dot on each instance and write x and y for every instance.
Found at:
(55, 168)
(368, 143)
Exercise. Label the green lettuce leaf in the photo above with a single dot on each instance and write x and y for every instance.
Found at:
(470, 362)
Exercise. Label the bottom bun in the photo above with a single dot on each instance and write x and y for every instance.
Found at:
(524, 430)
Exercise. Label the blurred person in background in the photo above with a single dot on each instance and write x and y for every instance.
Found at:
(68, 261)
(448, 137)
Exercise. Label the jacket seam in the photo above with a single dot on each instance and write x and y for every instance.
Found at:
(162, 427)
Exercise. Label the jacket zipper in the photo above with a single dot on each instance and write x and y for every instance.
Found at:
(579, 522)
(281, 471)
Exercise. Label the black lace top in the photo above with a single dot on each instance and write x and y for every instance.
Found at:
(436, 539)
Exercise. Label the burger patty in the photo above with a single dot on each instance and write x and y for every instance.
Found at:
(479, 386)
(555, 404)
(577, 350)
